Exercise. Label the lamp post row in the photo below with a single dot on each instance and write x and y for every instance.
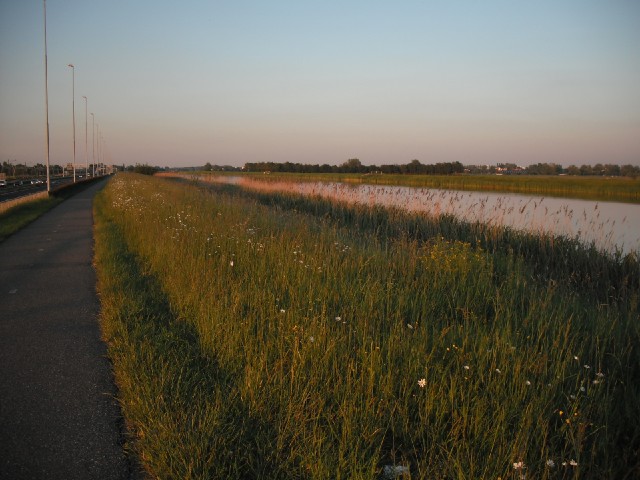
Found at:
(73, 106)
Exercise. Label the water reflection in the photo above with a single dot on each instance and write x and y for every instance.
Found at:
(611, 226)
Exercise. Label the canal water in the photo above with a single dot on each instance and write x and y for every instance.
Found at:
(610, 226)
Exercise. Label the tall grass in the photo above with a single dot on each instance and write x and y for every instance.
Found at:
(255, 341)
(584, 267)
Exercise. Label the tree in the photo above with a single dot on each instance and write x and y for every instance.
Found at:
(573, 170)
(352, 165)
(630, 171)
(207, 167)
(145, 169)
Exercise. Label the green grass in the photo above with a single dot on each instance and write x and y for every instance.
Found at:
(17, 217)
(618, 189)
(254, 338)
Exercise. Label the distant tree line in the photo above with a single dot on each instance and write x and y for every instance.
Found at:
(144, 169)
(16, 170)
(354, 165)
(220, 168)
(604, 170)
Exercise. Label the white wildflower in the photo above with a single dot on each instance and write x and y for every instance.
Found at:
(422, 382)
(518, 465)
(527, 382)
(466, 367)
(392, 471)
(551, 463)
(573, 463)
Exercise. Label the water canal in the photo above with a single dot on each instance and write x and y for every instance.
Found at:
(610, 226)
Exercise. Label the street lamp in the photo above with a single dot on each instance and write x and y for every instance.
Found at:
(86, 140)
(97, 148)
(93, 142)
(46, 95)
(73, 105)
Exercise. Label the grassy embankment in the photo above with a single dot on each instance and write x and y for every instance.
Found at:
(17, 214)
(618, 189)
(269, 340)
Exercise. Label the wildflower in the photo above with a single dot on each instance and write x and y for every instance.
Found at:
(527, 382)
(282, 310)
(551, 463)
(393, 471)
(600, 375)
(422, 382)
(582, 389)
(231, 263)
(498, 370)
(338, 319)
(575, 357)
(587, 367)
(518, 465)
(573, 463)
(410, 326)
(311, 339)
(596, 382)
(466, 367)
(560, 413)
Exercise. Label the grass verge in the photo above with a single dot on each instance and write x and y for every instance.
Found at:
(20, 215)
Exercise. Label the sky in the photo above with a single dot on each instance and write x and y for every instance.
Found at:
(182, 83)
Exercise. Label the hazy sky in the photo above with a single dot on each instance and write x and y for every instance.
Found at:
(177, 83)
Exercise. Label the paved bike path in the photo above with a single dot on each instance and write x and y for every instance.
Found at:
(58, 416)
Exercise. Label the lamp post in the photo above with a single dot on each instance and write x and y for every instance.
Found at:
(93, 143)
(97, 148)
(46, 95)
(86, 140)
(73, 106)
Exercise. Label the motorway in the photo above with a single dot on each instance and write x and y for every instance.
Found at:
(10, 192)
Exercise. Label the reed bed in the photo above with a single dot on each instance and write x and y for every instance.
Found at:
(255, 338)
(614, 189)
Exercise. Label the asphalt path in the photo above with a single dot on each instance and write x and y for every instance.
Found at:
(58, 414)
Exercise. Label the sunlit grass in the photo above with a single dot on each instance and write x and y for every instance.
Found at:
(19, 214)
(272, 341)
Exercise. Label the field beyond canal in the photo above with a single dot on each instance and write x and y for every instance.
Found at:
(270, 335)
